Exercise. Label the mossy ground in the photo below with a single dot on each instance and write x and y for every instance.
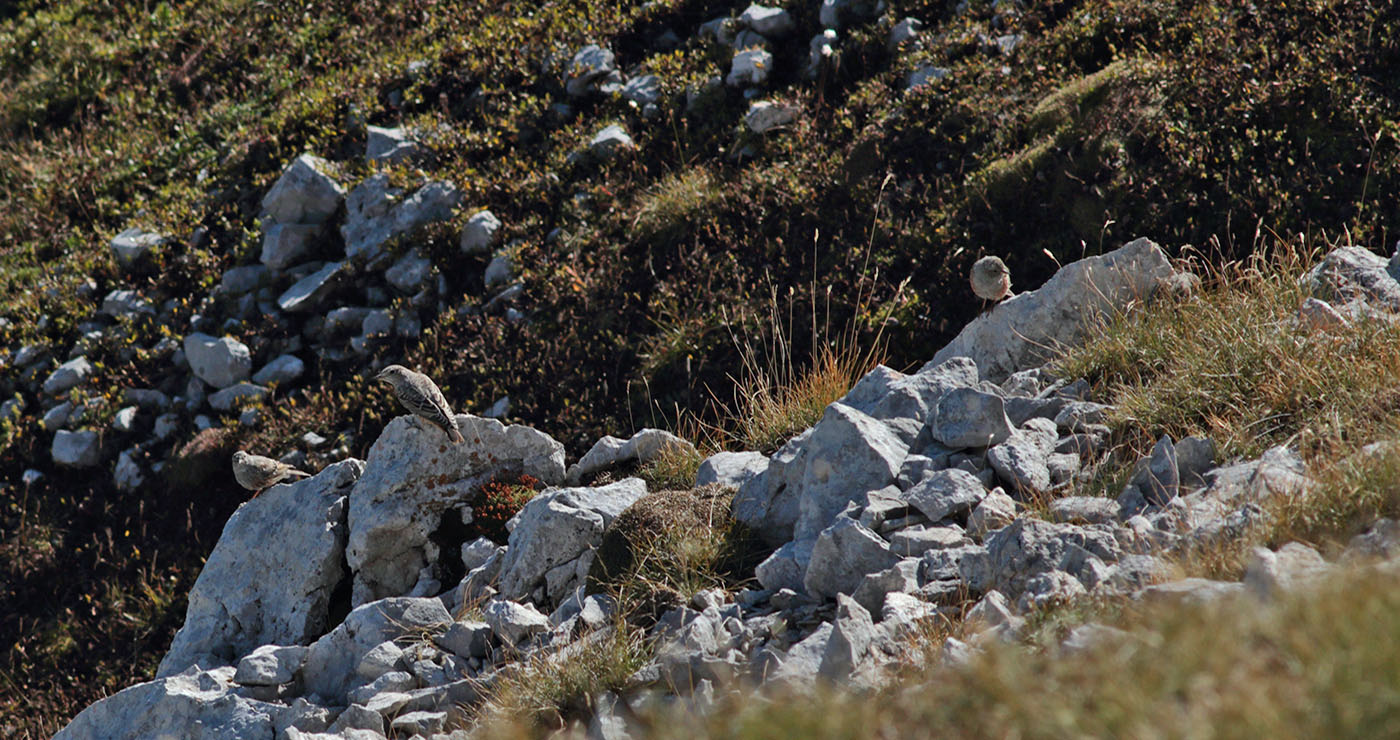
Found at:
(1218, 120)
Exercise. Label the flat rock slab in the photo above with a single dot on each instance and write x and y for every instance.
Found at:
(188, 705)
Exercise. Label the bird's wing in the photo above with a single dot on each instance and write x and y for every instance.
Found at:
(425, 400)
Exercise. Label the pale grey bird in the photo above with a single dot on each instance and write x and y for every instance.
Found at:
(420, 395)
(258, 473)
(991, 281)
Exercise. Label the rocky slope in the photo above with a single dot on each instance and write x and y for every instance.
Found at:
(570, 215)
(915, 496)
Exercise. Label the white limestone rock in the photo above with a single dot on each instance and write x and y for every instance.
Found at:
(280, 370)
(67, 376)
(271, 665)
(391, 146)
(966, 417)
(413, 475)
(466, 638)
(850, 641)
(252, 592)
(376, 212)
(237, 395)
(591, 67)
(82, 449)
(1351, 273)
(749, 68)
(220, 361)
(513, 622)
(610, 141)
(330, 668)
(1028, 547)
(768, 502)
(1022, 331)
(308, 293)
(128, 476)
(132, 244)
(946, 493)
(1272, 573)
(732, 469)
(285, 245)
(764, 116)
(773, 23)
(306, 193)
(410, 273)
(480, 233)
(197, 704)
(849, 454)
(125, 304)
(555, 528)
(610, 451)
(842, 556)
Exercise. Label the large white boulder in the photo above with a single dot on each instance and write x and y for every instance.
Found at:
(1025, 330)
(556, 527)
(270, 577)
(848, 455)
(413, 475)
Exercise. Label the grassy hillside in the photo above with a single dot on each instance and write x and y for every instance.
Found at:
(1198, 123)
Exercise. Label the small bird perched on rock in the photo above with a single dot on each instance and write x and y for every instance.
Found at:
(258, 473)
(420, 395)
(991, 281)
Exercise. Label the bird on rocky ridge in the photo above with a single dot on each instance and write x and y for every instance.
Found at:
(991, 280)
(257, 473)
(420, 395)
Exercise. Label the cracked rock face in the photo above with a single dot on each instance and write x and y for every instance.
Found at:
(413, 475)
(270, 577)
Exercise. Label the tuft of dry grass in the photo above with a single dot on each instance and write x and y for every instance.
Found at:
(676, 200)
(1233, 366)
(1346, 497)
(670, 545)
(673, 466)
(554, 688)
